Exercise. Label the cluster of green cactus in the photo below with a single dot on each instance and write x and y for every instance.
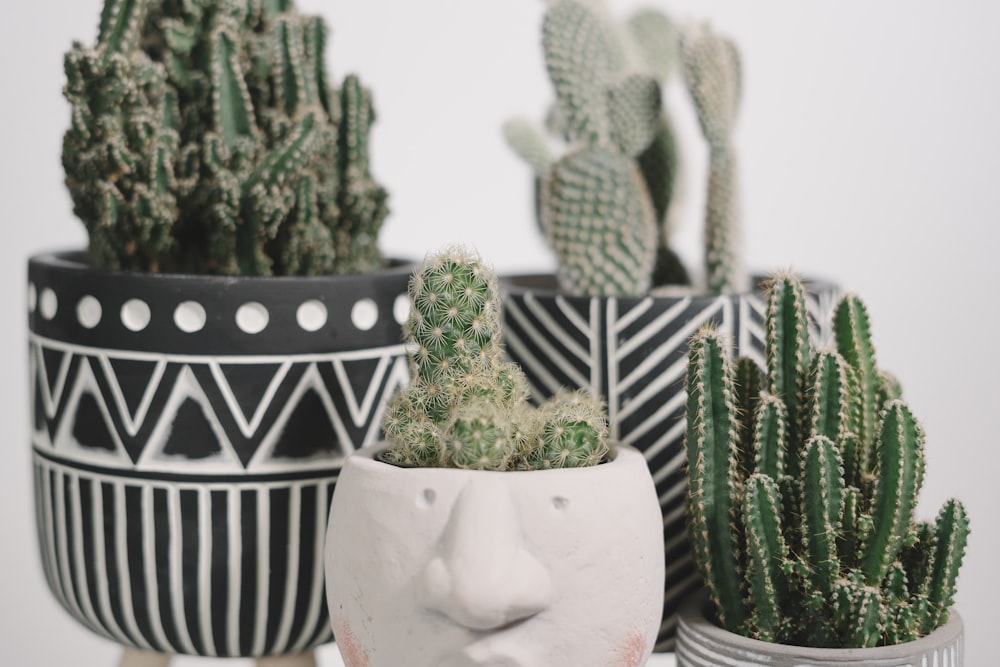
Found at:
(465, 406)
(803, 484)
(206, 138)
(604, 205)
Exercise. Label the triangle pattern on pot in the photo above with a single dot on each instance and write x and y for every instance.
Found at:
(360, 389)
(360, 378)
(132, 384)
(299, 438)
(52, 371)
(86, 430)
(249, 390)
(188, 437)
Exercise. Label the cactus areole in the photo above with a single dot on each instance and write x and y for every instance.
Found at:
(803, 485)
(206, 138)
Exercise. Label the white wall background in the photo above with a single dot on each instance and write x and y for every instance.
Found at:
(870, 146)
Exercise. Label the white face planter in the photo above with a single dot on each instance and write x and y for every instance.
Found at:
(432, 567)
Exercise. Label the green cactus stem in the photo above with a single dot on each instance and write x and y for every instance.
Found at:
(951, 533)
(466, 407)
(809, 546)
(712, 434)
(822, 505)
(205, 138)
(900, 473)
(789, 355)
(853, 333)
(713, 72)
(767, 554)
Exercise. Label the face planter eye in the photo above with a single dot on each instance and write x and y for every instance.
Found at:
(561, 503)
(426, 499)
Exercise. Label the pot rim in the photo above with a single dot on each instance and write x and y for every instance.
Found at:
(619, 454)
(75, 259)
(692, 618)
(71, 301)
(545, 284)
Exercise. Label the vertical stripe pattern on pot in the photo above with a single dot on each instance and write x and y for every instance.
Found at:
(129, 559)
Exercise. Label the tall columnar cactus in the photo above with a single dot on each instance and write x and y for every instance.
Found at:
(712, 70)
(605, 203)
(205, 138)
(803, 484)
(466, 407)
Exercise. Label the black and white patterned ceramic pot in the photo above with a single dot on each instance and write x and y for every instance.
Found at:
(187, 434)
(632, 352)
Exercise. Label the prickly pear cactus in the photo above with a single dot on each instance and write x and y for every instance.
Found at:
(616, 220)
(466, 407)
(804, 479)
(604, 200)
(205, 138)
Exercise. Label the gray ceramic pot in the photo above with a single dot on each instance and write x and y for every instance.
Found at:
(701, 643)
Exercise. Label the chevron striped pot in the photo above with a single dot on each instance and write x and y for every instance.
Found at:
(701, 643)
(633, 353)
(187, 434)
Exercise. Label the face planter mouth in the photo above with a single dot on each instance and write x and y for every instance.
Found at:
(496, 649)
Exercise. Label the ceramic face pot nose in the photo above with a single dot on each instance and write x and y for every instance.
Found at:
(187, 433)
(435, 567)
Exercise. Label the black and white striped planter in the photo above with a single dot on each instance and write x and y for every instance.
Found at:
(633, 353)
(187, 434)
(701, 643)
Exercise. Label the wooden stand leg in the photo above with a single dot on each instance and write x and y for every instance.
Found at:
(133, 657)
(307, 659)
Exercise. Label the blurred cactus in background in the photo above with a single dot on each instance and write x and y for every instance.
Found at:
(604, 204)
(206, 138)
(803, 485)
(465, 406)
(713, 73)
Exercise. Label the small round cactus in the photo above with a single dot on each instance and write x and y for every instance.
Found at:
(466, 407)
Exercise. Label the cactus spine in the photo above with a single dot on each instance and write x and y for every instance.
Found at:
(604, 204)
(804, 529)
(205, 138)
(466, 407)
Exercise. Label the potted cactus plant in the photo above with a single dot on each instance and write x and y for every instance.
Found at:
(480, 533)
(804, 483)
(229, 336)
(618, 316)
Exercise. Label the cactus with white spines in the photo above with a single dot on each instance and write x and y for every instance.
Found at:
(604, 203)
(804, 528)
(466, 407)
(206, 138)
